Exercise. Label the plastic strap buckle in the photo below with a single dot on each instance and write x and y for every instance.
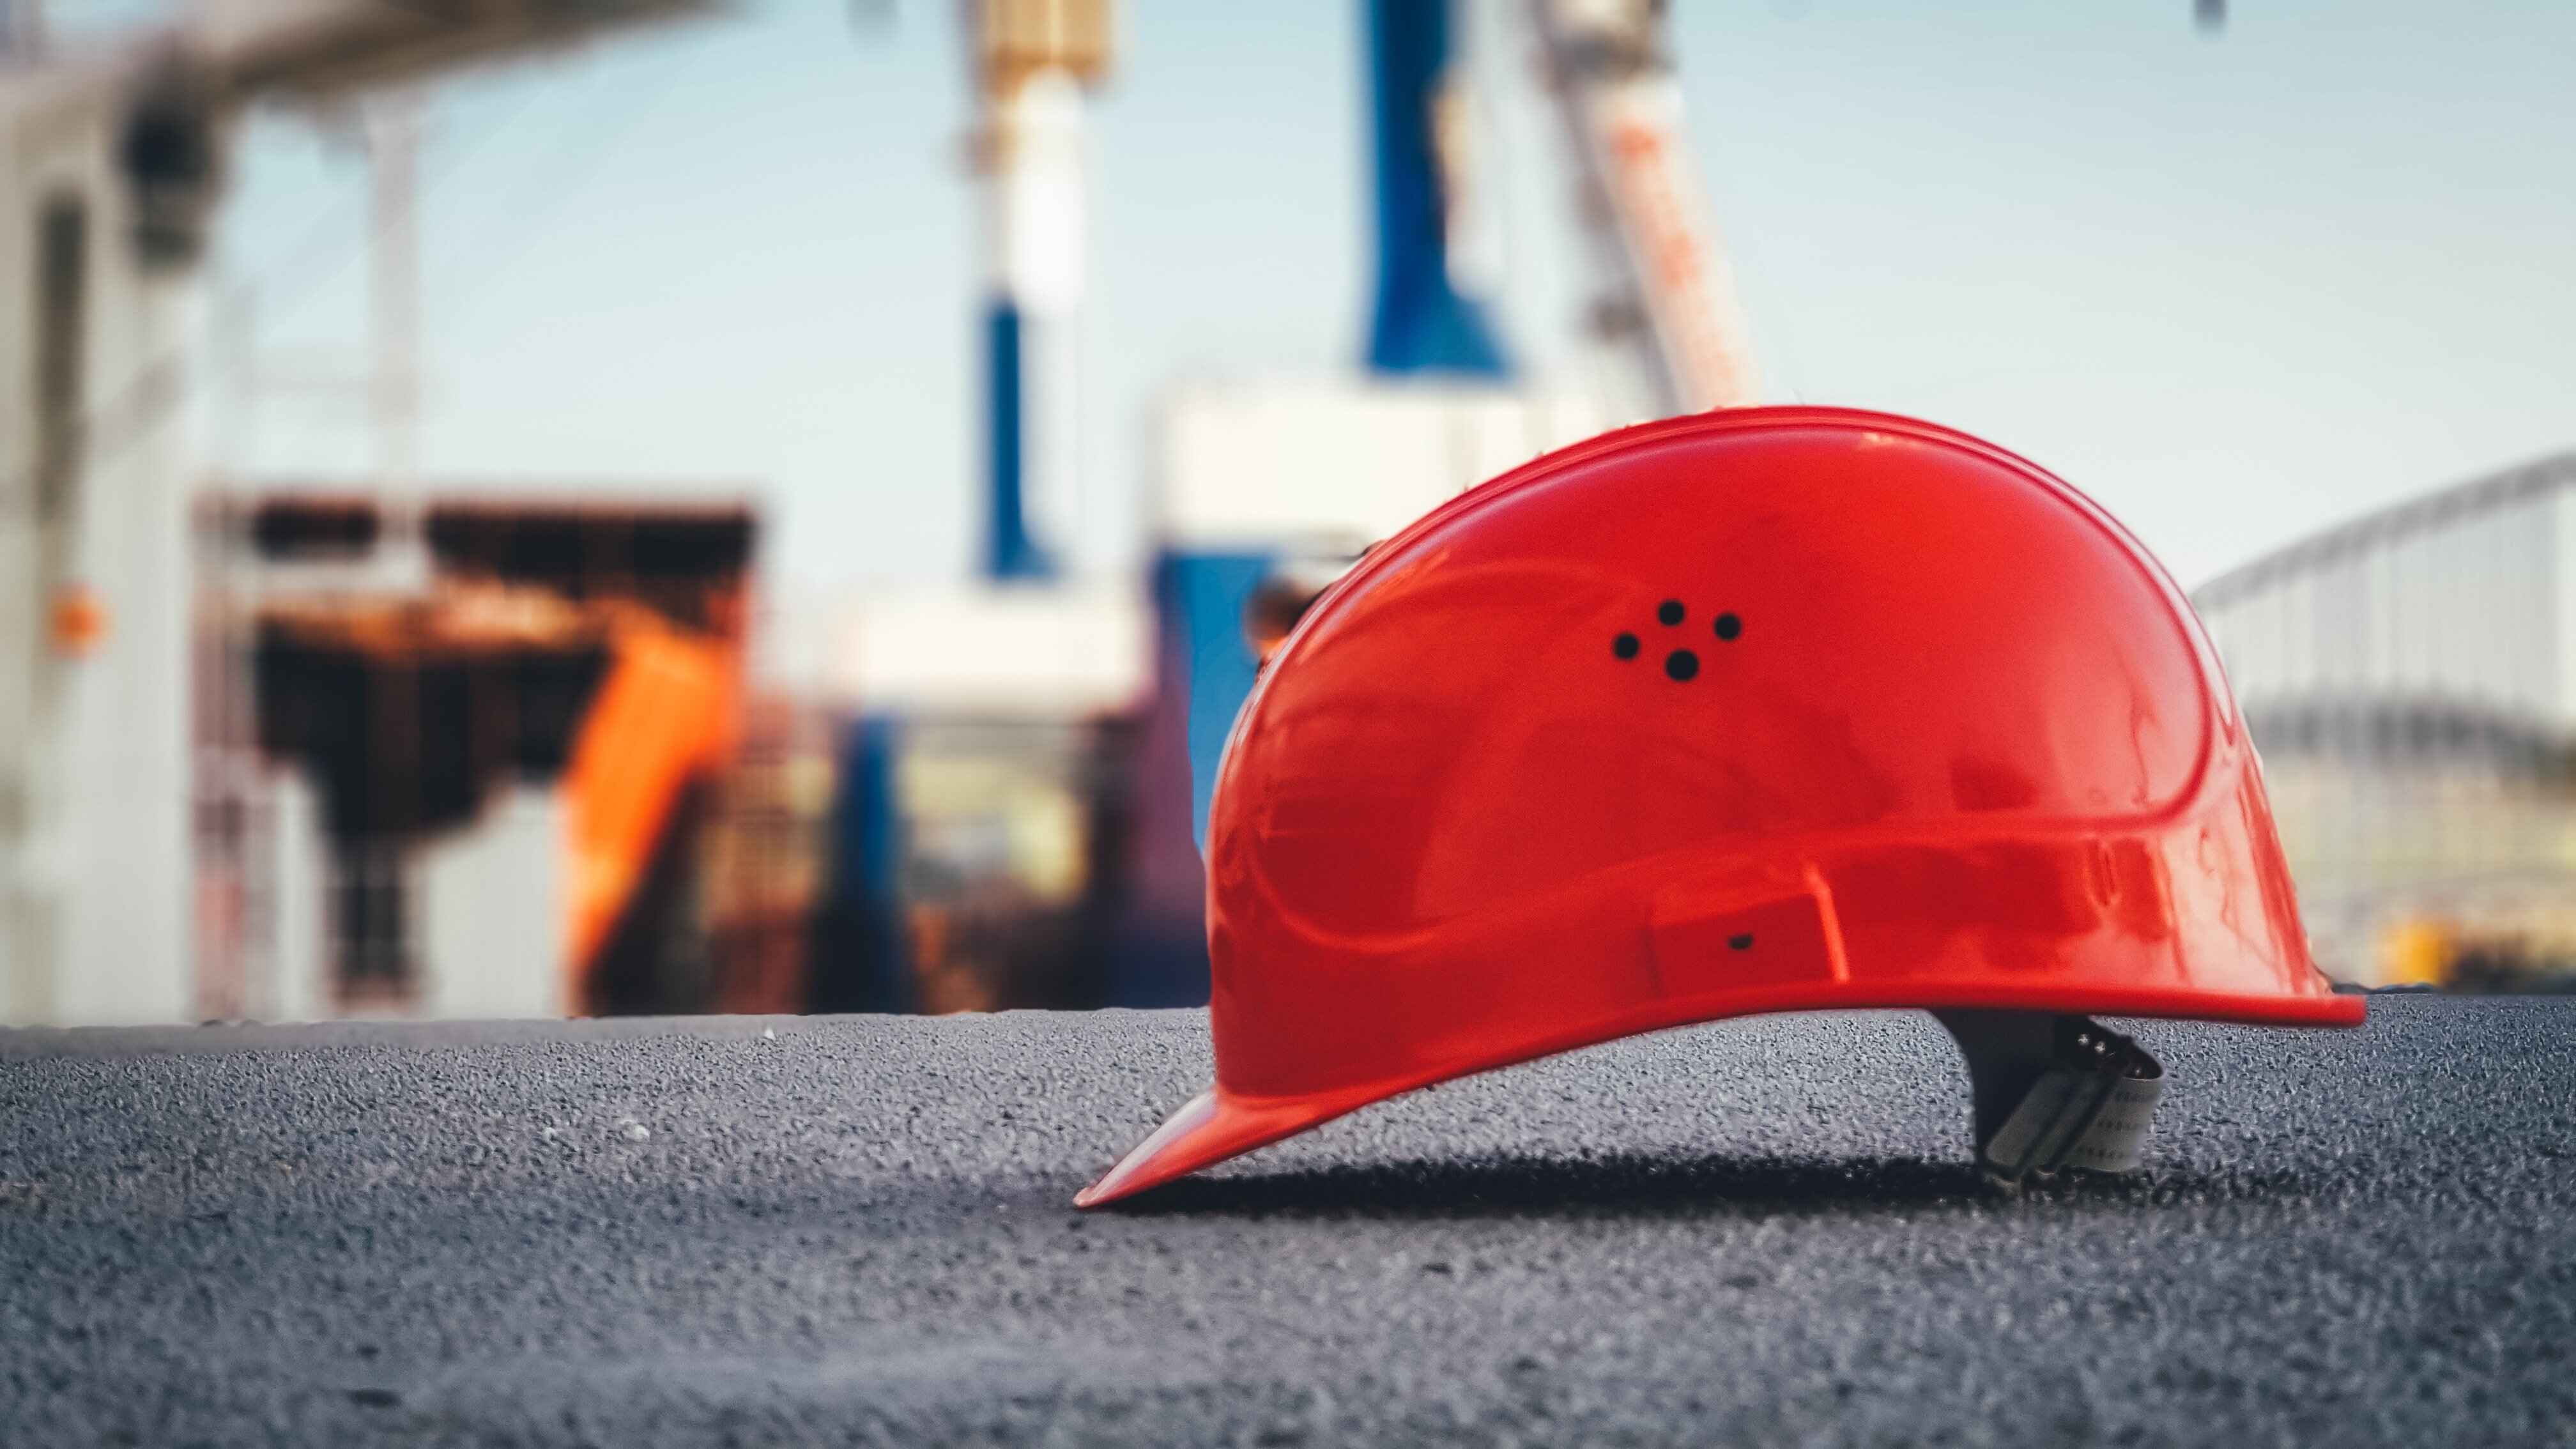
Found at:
(2091, 1108)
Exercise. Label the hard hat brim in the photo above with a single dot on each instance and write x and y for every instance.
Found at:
(1211, 1127)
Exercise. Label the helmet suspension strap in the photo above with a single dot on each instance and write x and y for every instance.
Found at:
(2054, 1092)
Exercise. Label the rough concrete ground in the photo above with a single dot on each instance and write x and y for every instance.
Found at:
(857, 1230)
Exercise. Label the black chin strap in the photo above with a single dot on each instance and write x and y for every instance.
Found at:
(2054, 1092)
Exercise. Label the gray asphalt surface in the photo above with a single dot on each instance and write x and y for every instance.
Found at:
(857, 1231)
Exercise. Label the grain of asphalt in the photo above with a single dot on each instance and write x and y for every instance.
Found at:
(858, 1230)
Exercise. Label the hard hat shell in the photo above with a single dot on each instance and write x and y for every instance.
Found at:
(1770, 709)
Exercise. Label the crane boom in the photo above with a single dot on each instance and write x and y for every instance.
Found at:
(1668, 292)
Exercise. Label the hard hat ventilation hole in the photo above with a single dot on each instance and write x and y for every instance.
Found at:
(1681, 664)
(1740, 943)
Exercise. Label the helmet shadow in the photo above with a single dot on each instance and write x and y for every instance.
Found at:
(1642, 1185)
(1620, 1184)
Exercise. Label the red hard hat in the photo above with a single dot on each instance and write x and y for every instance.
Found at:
(1771, 709)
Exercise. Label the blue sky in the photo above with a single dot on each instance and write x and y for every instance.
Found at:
(2234, 287)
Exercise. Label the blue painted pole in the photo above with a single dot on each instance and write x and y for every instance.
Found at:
(1420, 322)
(1010, 552)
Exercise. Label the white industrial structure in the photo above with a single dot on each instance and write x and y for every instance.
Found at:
(1325, 467)
(111, 160)
(2410, 677)
(94, 785)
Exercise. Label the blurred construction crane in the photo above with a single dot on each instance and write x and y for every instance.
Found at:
(1666, 293)
(1031, 62)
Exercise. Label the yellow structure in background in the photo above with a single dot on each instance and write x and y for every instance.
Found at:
(2414, 953)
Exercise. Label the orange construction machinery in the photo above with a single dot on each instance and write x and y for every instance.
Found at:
(667, 716)
(593, 652)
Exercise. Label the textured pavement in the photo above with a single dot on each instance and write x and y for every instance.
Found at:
(856, 1230)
